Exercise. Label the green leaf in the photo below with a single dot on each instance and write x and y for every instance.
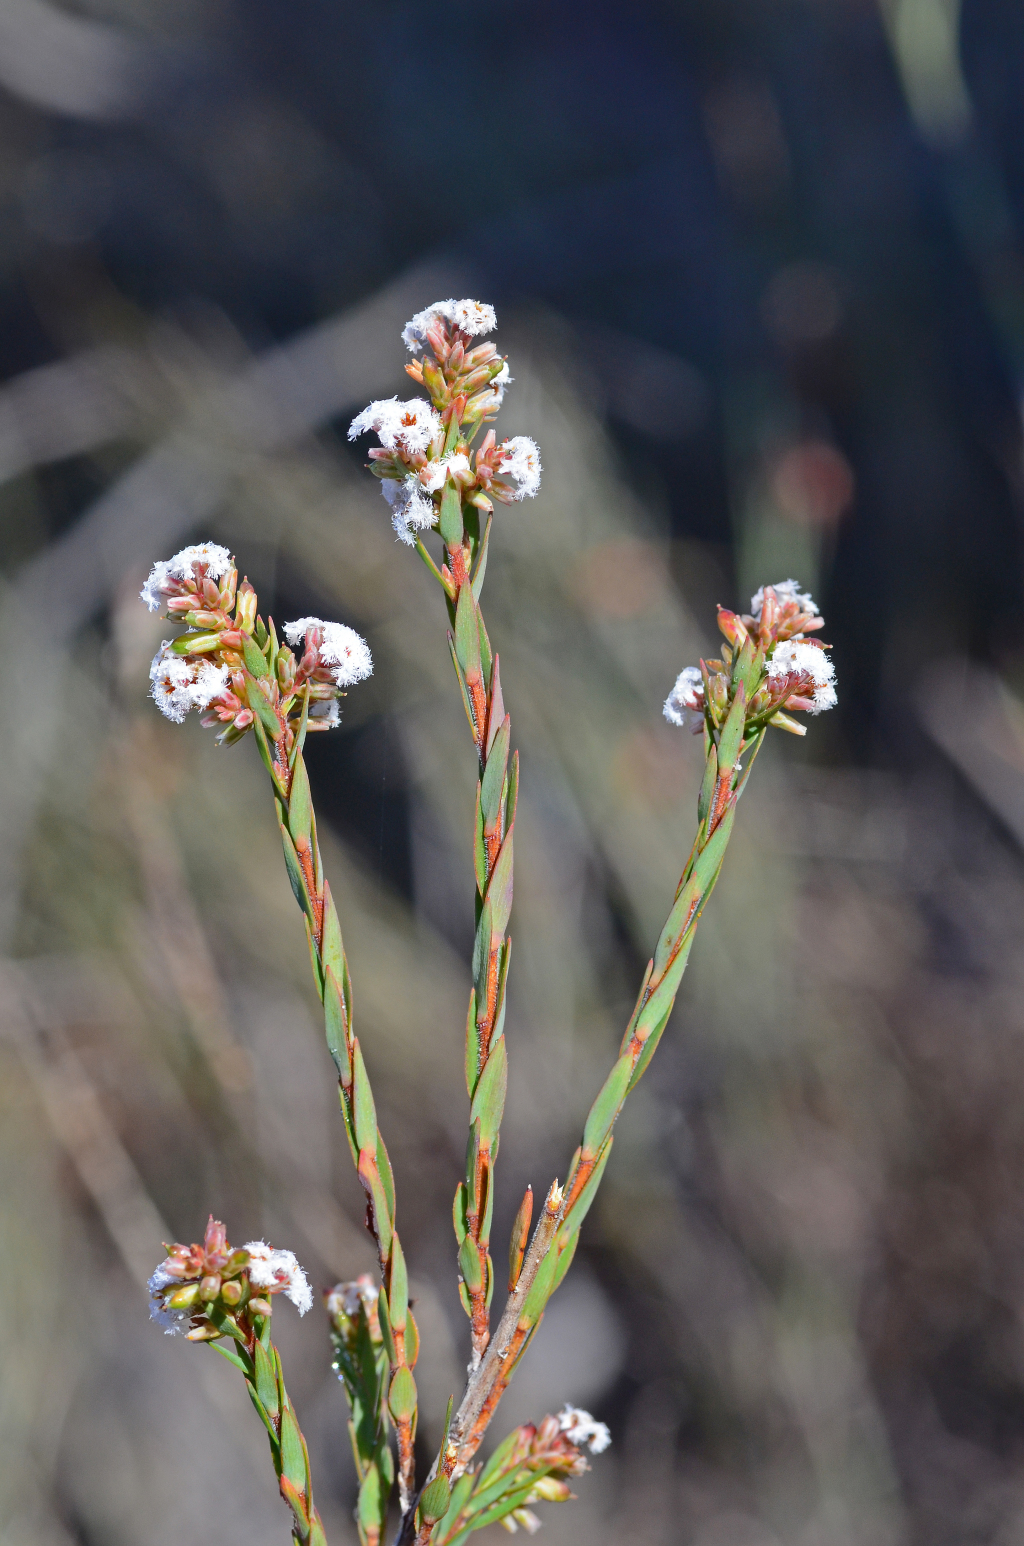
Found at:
(369, 1509)
(564, 1262)
(496, 713)
(499, 890)
(581, 1207)
(332, 949)
(300, 809)
(606, 1107)
(481, 559)
(255, 660)
(466, 701)
(260, 1409)
(709, 860)
(195, 643)
(732, 731)
(469, 1265)
(335, 1022)
(659, 1005)
(493, 781)
(458, 1214)
(398, 1287)
(450, 523)
(412, 1340)
(293, 1458)
(482, 955)
(386, 1174)
(499, 1017)
(472, 1046)
(467, 633)
(648, 1049)
(489, 1101)
(402, 1395)
(435, 1499)
(294, 868)
(479, 847)
(266, 1380)
(384, 1317)
(707, 787)
(364, 1114)
(232, 1357)
(539, 1291)
(513, 792)
(257, 701)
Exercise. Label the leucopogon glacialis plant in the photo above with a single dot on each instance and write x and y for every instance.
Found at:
(235, 668)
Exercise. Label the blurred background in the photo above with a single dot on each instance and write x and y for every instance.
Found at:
(758, 268)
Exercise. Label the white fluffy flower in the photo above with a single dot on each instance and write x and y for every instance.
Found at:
(519, 464)
(785, 590)
(172, 1321)
(473, 317)
(347, 1297)
(325, 716)
(402, 426)
(581, 1428)
(179, 684)
(498, 385)
(216, 559)
(435, 474)
(796, 655)
(684, 705)
(280, 1273)
(411, 510)
(342, 648)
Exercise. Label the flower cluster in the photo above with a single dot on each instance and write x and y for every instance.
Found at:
(424, 446)
(787, 670)
(580, 1428)
(231, 664)
(210, 1287)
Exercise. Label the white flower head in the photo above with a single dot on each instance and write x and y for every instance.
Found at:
(473, 317)
(785, 590)
(435, 474)
(179, 682)
(581, 1428)
(401, 426)
(411, 510)
(798, 656)
(342, 648)
(280, 1273)
(519, 464)
(498, 385)
(684, 705)
(172, 1321)
(217, 560)
(325, 716)
(346, 1298)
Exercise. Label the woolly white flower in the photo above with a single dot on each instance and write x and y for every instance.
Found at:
(179, 684)
(498, 385)
(796, 655)
(347, 1297)
(411, 511)
(342, 648)
(581, 1428)
(785, 590)
(280, 1272)
(434, 475)
(216, 559)
(684, 705)
(473, 317)
(325, 716)
(520, 464)
(408, 426)
(172, 1321)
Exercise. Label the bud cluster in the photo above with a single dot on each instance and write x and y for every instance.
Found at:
(231, 664)
(217, 1291)
(786, 670)
(424, 446)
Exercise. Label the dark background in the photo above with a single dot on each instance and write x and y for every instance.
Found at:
(758, 267)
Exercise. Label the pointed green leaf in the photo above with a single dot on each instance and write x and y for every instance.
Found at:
(707, 787)
(398, 1286)
(466, 701)
(469, 1265)
(363, 1110)
(493, 781)
(732, 731)
(266, 1380)
(257, 701)
(434, 1500)
(606, 1107)
(539, 1290)
(482, 956)
(659, 1005)
(402, 1395)
(499, 890)
(467, 633)
(481, 559)
(489, 1100)
(300, 815)
(459, 1213)
(255, 660)
(335, 1022)
(293, 1459)
(472, 1046)
(450, 523)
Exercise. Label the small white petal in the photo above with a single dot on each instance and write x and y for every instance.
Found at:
(411, 510)
(401, 426)
(683, 705)
(581, 1428)
(785, 590)
(280, 1272)
(519, 466)
(473, 317)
